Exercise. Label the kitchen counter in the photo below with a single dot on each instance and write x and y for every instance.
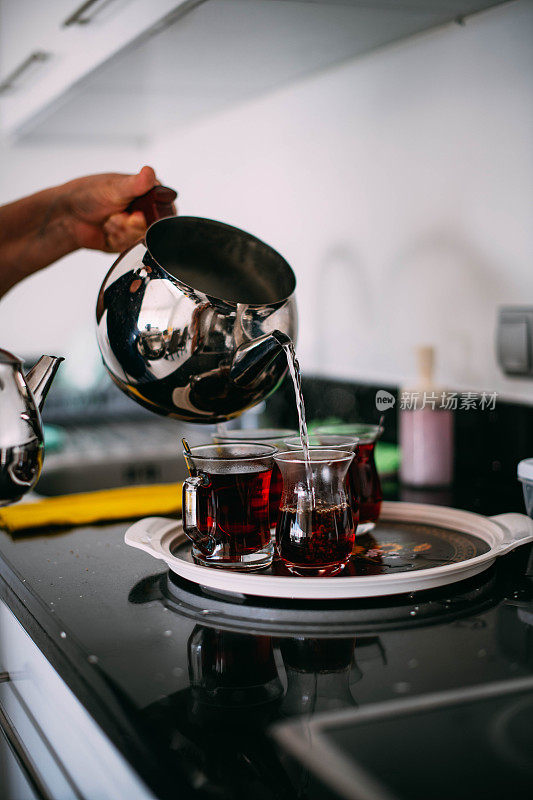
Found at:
(189, 698)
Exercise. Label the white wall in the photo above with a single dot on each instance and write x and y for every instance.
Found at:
(399, 186)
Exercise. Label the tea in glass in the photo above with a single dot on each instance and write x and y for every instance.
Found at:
(363, 475)
(273, 436)
(333, 442)
(225, 505)
(315, 531)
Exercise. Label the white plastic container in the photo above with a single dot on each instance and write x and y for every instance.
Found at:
(525, 476)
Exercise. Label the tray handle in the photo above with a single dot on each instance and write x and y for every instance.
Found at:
(518, 529)
(147, 534)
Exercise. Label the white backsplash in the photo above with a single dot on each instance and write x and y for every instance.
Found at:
(399, 186)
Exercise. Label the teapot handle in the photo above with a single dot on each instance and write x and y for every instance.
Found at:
(155, 204)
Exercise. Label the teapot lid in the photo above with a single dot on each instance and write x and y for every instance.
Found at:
(8, 358)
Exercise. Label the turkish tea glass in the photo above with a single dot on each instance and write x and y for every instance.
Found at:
(225, 505)
(333, 442)
(363, 474)
(315, 531)
(273, 436)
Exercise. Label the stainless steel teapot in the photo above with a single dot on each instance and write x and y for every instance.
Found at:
(192, 321)
(21, 433)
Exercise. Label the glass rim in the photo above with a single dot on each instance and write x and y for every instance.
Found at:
(255, 434)
(329, 456)
(351, 441)
(268, 451)
(366, 432)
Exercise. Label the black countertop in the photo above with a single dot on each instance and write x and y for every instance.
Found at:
(189, 696)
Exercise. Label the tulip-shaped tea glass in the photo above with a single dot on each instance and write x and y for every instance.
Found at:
(272, 436)
(315, 530)
(225, 505)
(363, 474)
(333, 442)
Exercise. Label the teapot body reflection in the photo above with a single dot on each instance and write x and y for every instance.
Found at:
(191, 322)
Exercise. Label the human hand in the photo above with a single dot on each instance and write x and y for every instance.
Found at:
(96, 209)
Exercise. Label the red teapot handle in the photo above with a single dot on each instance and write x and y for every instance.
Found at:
(155, 204)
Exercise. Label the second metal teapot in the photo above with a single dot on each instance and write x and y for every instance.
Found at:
(21, 432)
(191, 321)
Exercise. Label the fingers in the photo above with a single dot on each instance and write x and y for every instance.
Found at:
(95, 207)
(123, 230)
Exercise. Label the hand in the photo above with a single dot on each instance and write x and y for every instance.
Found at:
(88, 212)
(96, 209)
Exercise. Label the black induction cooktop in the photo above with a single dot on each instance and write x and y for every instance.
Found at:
(395, 749)
(191, 687)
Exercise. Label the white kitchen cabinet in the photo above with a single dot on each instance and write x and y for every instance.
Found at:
(46, 48)
(58, 749)
(28, 28)
(126, 69)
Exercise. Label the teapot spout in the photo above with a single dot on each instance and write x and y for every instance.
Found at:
(252, 358)
(40, 377)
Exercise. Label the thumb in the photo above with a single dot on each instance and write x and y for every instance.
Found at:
(128, 187)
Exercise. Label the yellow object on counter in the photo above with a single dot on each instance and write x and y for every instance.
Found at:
(127, 502)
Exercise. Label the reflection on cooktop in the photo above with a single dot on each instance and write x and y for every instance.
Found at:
(327, 619)
(255, 662)
(461, 744)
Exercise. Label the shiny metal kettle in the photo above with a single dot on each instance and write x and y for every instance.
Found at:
(192, 321)
(21, 433)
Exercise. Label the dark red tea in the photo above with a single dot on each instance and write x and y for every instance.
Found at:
(365, 483)
(276, 488)
(238, 501)
(353, 499)
(325, 544)
(221, 661)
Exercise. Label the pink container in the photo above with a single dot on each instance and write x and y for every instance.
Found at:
(426, 439)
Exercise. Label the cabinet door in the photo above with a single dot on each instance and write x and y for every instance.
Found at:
(29, 28)
(28, 767)
(27, 758)
(47, 48)
(69, 753)
(14, 783)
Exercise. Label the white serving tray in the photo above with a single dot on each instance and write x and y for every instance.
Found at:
(160, 537)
